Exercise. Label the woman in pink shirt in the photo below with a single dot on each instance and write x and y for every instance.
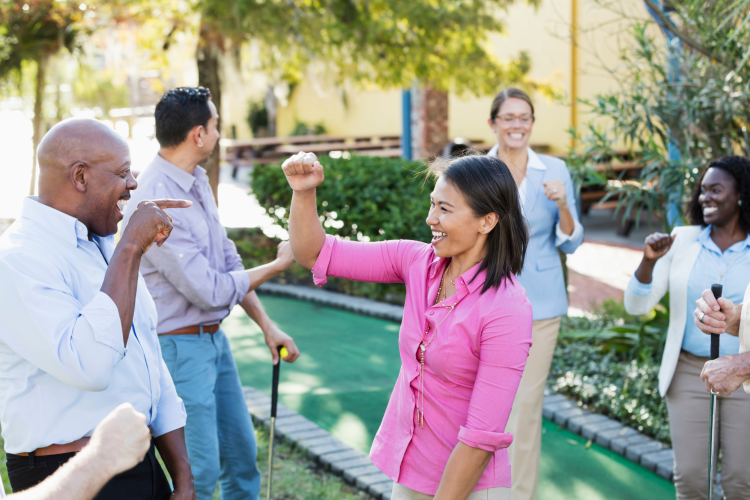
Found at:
(466, 330)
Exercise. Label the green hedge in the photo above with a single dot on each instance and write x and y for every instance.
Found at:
(363, 198)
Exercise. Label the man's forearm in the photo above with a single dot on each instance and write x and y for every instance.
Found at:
(81, 478)
(121, 283)
(173, 452)
(253, 307)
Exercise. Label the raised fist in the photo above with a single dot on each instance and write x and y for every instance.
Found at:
(657, 245)
(303, 171)
(121, 440)
(150, 224)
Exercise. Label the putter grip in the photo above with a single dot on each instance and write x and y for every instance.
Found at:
(716, 289)
(275, 386)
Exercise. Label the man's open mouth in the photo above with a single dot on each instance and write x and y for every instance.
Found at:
(121, 204)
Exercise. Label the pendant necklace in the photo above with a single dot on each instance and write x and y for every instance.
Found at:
(423, 348)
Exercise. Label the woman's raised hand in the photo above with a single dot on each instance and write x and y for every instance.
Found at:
(657, 245)
(303, 171)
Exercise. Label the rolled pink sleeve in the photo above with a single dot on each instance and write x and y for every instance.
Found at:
(320, 269)
(376, 262)
(484, 440)
(505, 344)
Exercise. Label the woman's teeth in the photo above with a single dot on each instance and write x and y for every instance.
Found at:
(516, 136)
(437, 236)
(709, 210)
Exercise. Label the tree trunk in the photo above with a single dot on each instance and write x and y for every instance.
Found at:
(41, 66)
(272, 108)
(429, 122)
(207, 57)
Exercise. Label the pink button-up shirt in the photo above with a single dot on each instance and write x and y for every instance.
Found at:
(472, 367)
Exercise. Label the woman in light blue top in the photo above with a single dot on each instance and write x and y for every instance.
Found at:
(715, 249)
(546, 194)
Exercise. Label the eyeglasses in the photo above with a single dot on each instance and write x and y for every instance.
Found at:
(510, 118)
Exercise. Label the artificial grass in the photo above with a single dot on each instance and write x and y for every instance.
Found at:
(345, 375)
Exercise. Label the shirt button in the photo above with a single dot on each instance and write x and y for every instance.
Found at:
(432, 312)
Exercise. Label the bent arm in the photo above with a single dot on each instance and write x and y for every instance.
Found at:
(43, 322)
(121, 283)
(173, 451)
(642, 296)
(569, 230)
(306, 233)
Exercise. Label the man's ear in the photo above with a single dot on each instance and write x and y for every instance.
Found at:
(79, 174)
(196, 135)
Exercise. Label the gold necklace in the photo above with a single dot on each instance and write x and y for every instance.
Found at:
(423, 347)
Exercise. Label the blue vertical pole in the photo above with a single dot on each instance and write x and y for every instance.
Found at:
(406, 125)
(673, 152)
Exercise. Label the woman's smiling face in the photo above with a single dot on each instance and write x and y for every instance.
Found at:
(719, 197)
(513, 124)
(455, 228)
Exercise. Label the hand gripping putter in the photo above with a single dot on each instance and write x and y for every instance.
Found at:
(274, 402)
(716, 289)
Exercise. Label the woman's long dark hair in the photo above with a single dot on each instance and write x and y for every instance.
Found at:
(739, 168)
(489, 187)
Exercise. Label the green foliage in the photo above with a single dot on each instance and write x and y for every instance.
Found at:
(365, 198)
(628, 337)
(626, 391)
(690, 99)
(257, 118)
(33, 30)
(302, 128)
(386, 43)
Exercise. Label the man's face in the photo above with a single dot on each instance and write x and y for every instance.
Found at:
(211, 133)
(109, 186)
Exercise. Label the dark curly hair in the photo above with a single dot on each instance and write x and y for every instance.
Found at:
(739, 168)
(178, 111)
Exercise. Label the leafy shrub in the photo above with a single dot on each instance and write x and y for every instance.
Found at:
(364, 197)
(631, 337)
(626, 391)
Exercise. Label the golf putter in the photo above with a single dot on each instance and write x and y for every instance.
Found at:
(716, 289)
(274, 403)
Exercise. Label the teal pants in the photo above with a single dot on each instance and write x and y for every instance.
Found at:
(219, 434)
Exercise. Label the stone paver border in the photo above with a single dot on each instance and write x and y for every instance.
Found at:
(602, 430)
(340, 459)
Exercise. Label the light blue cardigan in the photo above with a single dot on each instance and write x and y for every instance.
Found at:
(542, 275)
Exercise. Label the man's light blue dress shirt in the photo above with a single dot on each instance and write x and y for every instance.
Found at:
(711, 262)
(63, 366)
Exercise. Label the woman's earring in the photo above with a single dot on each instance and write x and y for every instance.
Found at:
(200, 144)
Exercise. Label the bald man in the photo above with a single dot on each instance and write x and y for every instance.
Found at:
(77, 324)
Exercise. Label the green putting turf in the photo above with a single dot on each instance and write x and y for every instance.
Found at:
(344, 378)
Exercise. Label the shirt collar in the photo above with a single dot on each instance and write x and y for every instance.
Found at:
(183, 179)
(534, 161)
(704, 238)
(61, 224)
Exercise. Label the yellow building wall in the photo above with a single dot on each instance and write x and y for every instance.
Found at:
(544, 33)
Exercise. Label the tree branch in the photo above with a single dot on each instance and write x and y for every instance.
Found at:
(669, 26)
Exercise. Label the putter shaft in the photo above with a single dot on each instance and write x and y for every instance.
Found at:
(716, 289)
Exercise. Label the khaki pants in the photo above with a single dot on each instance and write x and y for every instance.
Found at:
(401, 492)
(525, 421)
(688, 405)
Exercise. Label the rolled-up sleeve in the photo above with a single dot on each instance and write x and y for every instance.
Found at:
(170, 413)
(377, 262)
(638, 288)
(232, 259)
(181, 262)
(505, 344)
(79, 344)
(569, 243)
